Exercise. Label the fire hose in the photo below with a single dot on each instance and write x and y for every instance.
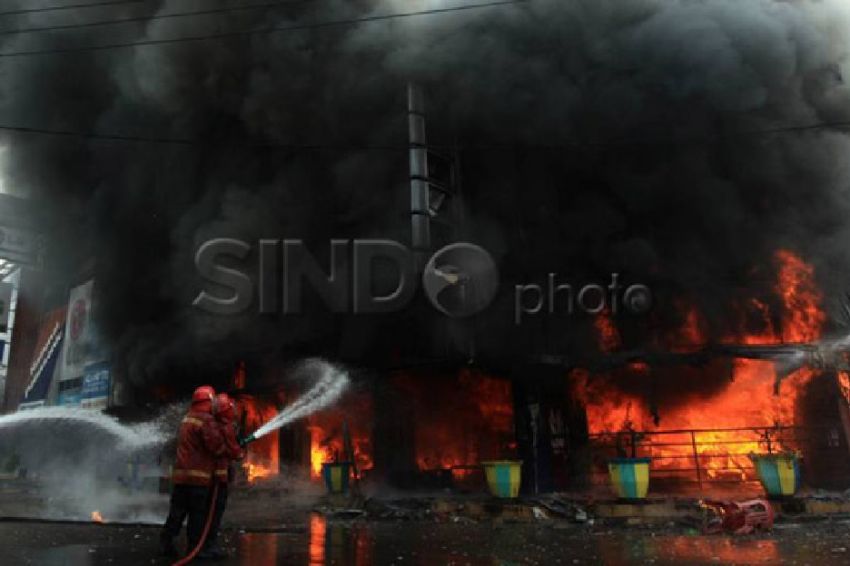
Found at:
(189, 557)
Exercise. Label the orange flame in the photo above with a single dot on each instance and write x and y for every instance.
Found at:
(460, 420)
(257, 471)
(609, 336)
(261, 460)
(326, 433)
(96, 517)
(747, 400)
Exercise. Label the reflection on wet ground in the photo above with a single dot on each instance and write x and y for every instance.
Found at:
(320, 543)
(363, 544)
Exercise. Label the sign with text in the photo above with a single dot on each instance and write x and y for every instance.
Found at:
(96, 382)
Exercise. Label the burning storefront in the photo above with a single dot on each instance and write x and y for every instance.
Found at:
(596, 153)
(699, 408)
(699, 411)
(411, 428)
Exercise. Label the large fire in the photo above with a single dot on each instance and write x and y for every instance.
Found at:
(261, 460)
(461, 422)
(748, 398)
(327, 433)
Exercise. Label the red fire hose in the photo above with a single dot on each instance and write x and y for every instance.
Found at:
(189, 557)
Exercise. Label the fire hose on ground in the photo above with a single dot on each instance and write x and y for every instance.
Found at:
(191, 556)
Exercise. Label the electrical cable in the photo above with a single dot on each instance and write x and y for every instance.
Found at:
(69, 7)
(405, 147)
(151, 17)
(261, 31)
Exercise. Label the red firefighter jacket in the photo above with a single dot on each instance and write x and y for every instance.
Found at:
(200, 443)
(232, 452)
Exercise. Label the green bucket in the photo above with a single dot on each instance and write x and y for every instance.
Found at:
(503, 477)
(779, 474)
(336, 476)
(629, 477)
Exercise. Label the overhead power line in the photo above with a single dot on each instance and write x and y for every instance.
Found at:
(70, 7)
(261, 31)
(150, 17)
(405, 147)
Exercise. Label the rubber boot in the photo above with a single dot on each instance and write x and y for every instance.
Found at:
(166, 546)
(213, 552)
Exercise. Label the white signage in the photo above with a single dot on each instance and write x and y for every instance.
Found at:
(18, 245)
(78, 334)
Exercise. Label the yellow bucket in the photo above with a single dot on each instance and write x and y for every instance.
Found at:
(503, 477)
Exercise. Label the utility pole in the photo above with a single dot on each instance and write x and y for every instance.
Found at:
(420, 219)
(434, 182)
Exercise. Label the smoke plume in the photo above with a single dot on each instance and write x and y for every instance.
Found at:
(594, 136)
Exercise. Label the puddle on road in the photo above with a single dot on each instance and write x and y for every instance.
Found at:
(361, 545)
(686, 549)
(351, 544)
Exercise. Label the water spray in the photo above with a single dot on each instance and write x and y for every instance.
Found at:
(331, 383)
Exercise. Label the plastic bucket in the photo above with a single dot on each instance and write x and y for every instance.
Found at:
(629, 477)
(336, 476)
(503, 477)
(779, 473)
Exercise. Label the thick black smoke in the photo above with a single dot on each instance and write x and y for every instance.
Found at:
(594, 136)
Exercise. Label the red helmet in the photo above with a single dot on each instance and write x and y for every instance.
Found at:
(203, 393)
(225, 408)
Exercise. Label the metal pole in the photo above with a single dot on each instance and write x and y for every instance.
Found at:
(696, 458)
(419, 196)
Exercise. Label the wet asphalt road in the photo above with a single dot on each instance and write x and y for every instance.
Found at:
(423, 544)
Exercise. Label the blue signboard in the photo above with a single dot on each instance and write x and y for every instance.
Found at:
(96, 381)
(69, 397)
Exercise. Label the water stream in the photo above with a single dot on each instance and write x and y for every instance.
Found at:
(330, 383)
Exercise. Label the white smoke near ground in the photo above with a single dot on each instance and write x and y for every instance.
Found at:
(81, 458)
(73, 461)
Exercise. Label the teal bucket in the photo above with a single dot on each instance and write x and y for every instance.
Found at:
(629, 477)
(779, 474)
(336, 476)
(503, 477)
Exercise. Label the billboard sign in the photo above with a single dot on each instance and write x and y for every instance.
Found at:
(95, 391)
(78, 333)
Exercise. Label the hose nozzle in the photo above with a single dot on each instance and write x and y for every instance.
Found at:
(247, 440)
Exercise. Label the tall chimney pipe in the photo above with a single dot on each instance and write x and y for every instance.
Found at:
(420, 219)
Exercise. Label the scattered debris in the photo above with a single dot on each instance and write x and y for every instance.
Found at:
(737, 517)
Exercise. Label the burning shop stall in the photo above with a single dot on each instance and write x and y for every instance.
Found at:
(413, 428)
(700, 409)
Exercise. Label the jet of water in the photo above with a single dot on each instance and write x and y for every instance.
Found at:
(63, 420)
(332, 382)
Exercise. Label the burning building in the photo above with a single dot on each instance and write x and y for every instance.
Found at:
(690, 148)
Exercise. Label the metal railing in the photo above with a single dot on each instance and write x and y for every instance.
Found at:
(698, 456)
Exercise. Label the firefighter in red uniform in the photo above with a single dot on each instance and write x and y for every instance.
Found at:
(200, 444)
(226, 416)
